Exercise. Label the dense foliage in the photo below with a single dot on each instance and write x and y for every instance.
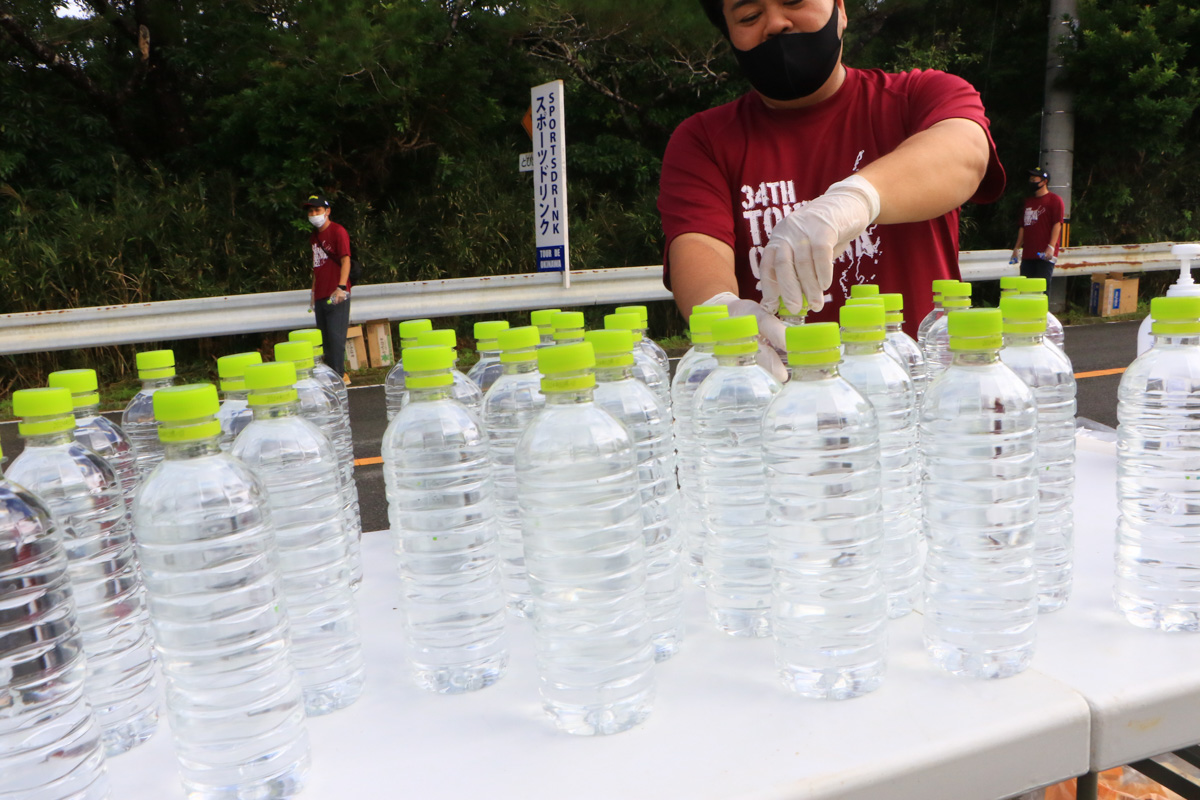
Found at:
(157, 149)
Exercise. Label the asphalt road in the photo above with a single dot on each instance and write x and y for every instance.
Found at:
(1103, 347)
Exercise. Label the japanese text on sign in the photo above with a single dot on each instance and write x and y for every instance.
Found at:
(550, 177)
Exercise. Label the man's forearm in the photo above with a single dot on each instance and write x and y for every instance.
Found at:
(344, 280)
(701, 268)
(1055, 233)
(931, 173)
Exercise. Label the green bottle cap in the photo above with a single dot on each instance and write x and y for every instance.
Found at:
(735, 336)
(957, 296)
(639, 311)
(299, 353)
(701, 326)
(940, 285)
(48, 410)
(862, 323)
(1032, 286)
(428, 366)
(1175, 316)
(623, 322)
(567, 367)
(1024, 313)
(410, 329)
(154, 364)
(784, 311)
(489, 330)
(271, 384)
(518, 345)
(613, 347)
(1011, 283)
(864, 290)
(312, 335)
(567, 325)
(440, 337)
(874, 300)
(186, 413)
(814, 344)
(232, 369)
(81, 383)
(975, 329)
(893, 305)
(543, 319)
(722, 310)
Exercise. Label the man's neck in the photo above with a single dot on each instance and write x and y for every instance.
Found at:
(828, 90)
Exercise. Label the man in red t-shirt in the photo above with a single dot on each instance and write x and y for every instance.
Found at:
(820, 178)
(330, 297)
(1040, 233)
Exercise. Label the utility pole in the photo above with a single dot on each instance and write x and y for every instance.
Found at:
(1058, 126)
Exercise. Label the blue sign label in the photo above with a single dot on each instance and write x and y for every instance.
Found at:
(551, 259)
(1116, 303)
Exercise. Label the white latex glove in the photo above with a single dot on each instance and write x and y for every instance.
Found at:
(771, 337)
(798, 262)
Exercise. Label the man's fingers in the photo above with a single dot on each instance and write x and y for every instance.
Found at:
(791, 291)
(769, 281)
(773, 331)
(806, 276)
(769, 360)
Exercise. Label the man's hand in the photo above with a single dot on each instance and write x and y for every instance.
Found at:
(339, 296)
(798, 262)
(771, 336)
(1014, 258)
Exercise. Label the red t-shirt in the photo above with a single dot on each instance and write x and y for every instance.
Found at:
(328, 247)
(1041, 213)
(733, 172)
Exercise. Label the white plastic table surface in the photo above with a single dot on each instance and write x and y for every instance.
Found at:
(722, 728)
(1143, 686)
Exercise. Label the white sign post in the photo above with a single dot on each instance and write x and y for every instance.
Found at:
(550, 180)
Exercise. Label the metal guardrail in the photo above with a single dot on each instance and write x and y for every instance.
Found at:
(68, 329)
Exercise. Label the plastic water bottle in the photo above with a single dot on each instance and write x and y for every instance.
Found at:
(156, 370)
(1158, 413)
(439, 490)
(1048, 374)
(94, 431)
(394, 392)
(1054, 328)
(319, 405)
(577, 484)
(887, 386)
(644, 342)
(488, 368)
(1184, 286)
(979, 435)
(543, 319)
(234, 414)
(693, 368)
(633, 404)
(325, 374)
(789, 318)
(877, 301)
(727, 412)
(50, 745)
(910, 352)
(207, 546)
(82, 492)
(645, 367)
(464, 390)
(936, 348)
(692, 352)
(299, 466)
(936, 313)
(508, 408)
(821, 450)
(568, 327)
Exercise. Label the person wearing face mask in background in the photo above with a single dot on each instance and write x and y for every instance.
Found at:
(330, 297)
(822, 177)
(1038, 238)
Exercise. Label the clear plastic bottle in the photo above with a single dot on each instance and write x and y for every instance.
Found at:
(94, 431)
(508, 408)
(395, 394)
(936, 348)
(936, 313)
(543, 320)
(789, 318)
(979, 436)
(888, 387)
(568, 327)
(577, 484)
(320, 406)
(1048, 374)
(156, 370)
(324, 373)
(644, 342)
(439, 490)
(877, 301)
(722, 311)
(235, 413)
(693, 368)
(50, 745)
(299, 466)
(1158, 413)
(727, 412)
(821, 451)
(465, 390)
(645, 368)
(633, 404)
(206, 542)
(1054, 328)
(488, 368)
(910, 352)
(82, 492)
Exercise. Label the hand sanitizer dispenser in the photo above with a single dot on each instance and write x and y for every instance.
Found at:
(1184, 287)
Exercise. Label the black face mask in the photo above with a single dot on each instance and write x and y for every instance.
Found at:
(793, 65)
(1032, 188)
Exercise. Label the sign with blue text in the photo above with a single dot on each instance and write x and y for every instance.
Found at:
(550, 180)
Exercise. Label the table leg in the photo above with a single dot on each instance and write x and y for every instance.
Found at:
(1087, 786)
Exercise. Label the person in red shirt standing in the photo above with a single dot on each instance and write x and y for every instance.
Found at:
(822, 177)
(1040, 233)
(330, 298)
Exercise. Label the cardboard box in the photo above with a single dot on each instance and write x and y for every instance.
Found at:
(1113, 294)
(379, 343)
(356, 349)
